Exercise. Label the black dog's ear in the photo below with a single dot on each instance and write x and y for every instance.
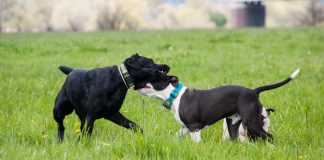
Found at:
(269, 110)
(136, 54)
(133, 61)
(174, 80)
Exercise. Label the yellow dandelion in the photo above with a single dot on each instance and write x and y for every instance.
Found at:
(33, 121)
(77, 124)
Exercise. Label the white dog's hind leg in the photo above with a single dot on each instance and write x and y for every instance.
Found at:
(182, 132)
(195, 136)
(226, 135)
(242, 133)
(242, 138)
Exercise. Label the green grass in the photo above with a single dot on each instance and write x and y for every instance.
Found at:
(30, 80)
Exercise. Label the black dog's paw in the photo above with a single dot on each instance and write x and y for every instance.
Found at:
(136, 128)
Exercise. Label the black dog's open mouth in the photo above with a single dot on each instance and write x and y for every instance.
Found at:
(165, 69)
(140, 86)
(144, 89)
(146, 86)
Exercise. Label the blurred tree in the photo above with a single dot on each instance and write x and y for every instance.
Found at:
(45, 9)
(314, 14)
(108, 20)
(76, 24)
(121, 15)
(5, 6)
(218, 19)
(21, 17)
(16, 17)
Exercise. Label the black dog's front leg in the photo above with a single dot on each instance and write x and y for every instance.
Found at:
(119, 119)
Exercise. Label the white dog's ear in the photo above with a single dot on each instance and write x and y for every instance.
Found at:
(174, 80)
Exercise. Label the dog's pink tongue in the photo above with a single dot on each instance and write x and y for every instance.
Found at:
(147, 86)
(141, 90)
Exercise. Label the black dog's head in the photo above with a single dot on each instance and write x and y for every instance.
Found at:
(144, 70)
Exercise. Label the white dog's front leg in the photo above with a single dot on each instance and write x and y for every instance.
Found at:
(182, 132)
(195, 136)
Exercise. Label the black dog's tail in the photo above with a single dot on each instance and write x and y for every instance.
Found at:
(273, 86)
(66, 70)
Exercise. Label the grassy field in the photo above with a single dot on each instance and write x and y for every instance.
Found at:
(30, 80)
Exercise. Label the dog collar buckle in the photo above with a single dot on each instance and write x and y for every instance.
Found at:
(174, 94)
(125, 76)
(167, 104)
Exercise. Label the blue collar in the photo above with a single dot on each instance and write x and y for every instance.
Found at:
(168, 103)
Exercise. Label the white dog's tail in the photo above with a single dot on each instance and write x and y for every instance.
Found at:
(273, 86)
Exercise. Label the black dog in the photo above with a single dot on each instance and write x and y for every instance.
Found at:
(100, 92)
(196, 109)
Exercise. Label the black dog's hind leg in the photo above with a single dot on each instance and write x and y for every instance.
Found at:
(82, 126)
(88, 124)
(119, 119)
(62, 108)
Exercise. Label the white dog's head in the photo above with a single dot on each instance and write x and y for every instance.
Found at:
(160, 89)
